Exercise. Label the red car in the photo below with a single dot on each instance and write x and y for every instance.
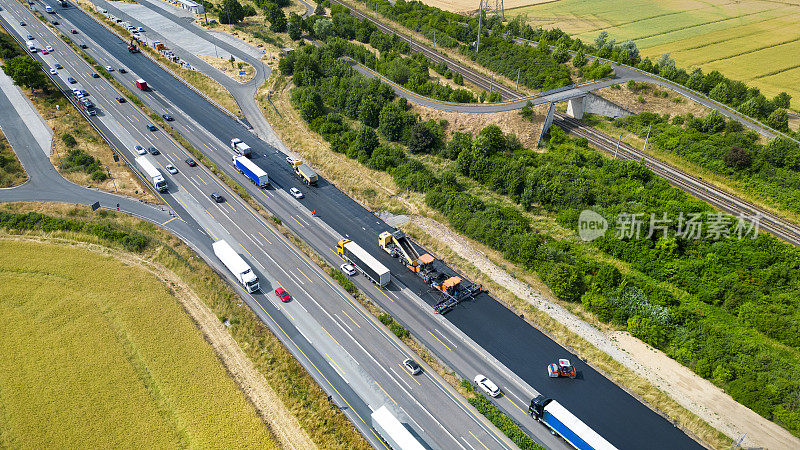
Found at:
(73, 31)
(282, 294)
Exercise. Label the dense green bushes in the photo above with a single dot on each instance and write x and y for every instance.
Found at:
(11, 171)
(127, 239)
(78, 160)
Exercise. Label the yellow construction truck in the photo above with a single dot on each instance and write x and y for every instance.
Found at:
(305, 172)
(452, 287)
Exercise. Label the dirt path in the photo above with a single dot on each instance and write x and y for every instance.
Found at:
(280, 420)
(692, 392)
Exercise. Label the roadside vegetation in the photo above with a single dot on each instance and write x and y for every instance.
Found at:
(11, 171)
(111, 341)
(77, 146)
(326, 426)
(719, 315)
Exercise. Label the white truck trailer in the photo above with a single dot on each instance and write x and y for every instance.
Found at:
(393, 431)
(238, 267)
(152, 173)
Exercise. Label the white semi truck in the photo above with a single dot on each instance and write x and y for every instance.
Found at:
(393, 431)
(152, 173)
(238, 267)
(240, 147)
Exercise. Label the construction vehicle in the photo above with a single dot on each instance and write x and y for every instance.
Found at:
(562, 369)
(364, 262)
(305, 172)
(453, 289)
(132, 47)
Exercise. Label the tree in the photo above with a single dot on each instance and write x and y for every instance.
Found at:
(579, 60)
(231, 12)
(737, 158)
(422, 139)
(319, 10)
(696, 80)
(275, 16)
(490, 141)
(721, 93)
(600, 40)
(714, 122)
(782, 100)
(391, 121)
(631, 49)
(778, 120)
(365, 142)
(25, 71)
(369, 111)
(566, 282)
(249, 11)
(647, 330)
(323, 28)
(295, 26)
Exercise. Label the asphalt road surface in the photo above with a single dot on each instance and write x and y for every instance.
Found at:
(507, 338)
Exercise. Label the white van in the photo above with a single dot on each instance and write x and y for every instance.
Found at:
(32, 46)
(48, 9)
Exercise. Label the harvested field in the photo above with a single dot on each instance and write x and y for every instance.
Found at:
(96, 352)
(749, 41)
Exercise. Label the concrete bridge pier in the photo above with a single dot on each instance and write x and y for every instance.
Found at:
(575, 107)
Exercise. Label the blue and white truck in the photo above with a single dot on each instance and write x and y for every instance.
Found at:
(250, 170)
(562, 422)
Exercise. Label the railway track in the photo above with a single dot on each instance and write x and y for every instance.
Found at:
(695, 186)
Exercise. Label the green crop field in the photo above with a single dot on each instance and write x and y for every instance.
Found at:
(753, 41)
(97, 353)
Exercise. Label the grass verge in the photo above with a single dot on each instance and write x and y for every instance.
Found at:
(11, 171)
(327, 427)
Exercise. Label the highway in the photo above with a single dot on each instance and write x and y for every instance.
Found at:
(480, 336)
(348, 352)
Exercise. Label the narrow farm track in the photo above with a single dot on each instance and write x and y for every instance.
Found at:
(695, 186)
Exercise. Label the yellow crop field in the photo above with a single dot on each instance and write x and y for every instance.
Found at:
(95, 353)
(751, 40)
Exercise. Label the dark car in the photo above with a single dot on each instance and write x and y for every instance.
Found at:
(122, 70)
(217, 198)
(167, 117)
(21, 23)
(55, 22)
(121, 99)
(190, 162)
(71, 80)
(153, 151)
(84, 46)
(151, 127)
(95, 75)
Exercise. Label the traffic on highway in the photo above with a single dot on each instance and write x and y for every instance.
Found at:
(345, 348)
